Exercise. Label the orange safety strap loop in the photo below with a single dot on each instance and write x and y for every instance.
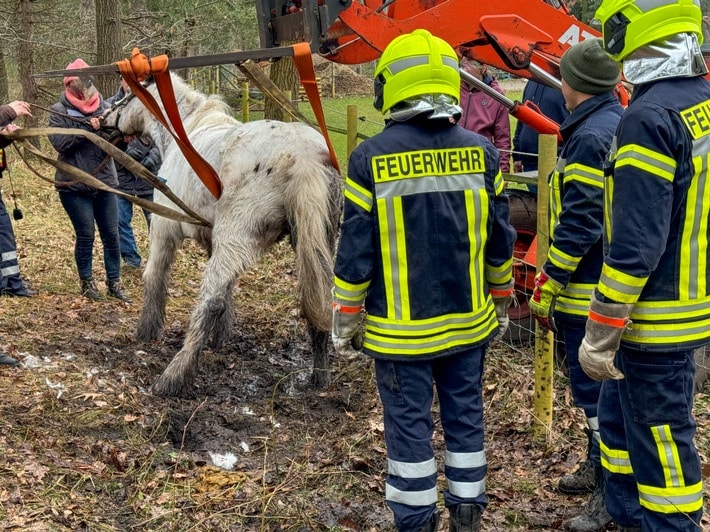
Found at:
(304, 64)
(137, 68)
(347, 310)
(618, 323)
(501, 293)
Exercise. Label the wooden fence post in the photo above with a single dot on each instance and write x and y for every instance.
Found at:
(544, 339)
(245, 102)
(351, 129)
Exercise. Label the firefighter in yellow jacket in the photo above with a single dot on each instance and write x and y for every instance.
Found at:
(651, 308)
(425, 254)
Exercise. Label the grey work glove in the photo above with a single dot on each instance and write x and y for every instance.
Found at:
(348, 328)
(503, 296)
(606, 324)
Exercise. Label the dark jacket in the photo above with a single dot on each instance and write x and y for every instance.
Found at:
(141, 149)
(552, 104)
(79, 151)
(657, 208)
(575, 255)
(425, 234)
(7, 115)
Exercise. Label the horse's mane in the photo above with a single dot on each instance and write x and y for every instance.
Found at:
(199, 110)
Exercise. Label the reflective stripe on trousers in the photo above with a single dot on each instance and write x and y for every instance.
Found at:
(406, 391)
(9, 267)
(651, 466)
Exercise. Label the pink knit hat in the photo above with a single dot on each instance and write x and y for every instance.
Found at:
(77, 63)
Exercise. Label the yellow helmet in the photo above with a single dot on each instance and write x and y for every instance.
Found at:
(414, 64)
(629, 24)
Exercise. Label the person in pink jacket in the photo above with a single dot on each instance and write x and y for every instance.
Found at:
(484, 115)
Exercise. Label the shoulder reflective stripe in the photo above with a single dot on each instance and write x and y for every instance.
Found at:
(423, 163)
(411, 498)
(358, 195)
(615, 460)
(671, 500)
(646, 160)
(406, 187)
(584, 174)
(465, 460)
(467, 490)
(395, 67)
(477, 216)
(411, 469)
(620, 286)
(562, 260)
(9, 255)
(697, 119)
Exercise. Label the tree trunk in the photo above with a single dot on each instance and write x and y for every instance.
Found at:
(25, 55)
(108, 42)
(4, 86)
(284, 75)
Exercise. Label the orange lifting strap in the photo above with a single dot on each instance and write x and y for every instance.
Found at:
(139, 67)
(304, 64)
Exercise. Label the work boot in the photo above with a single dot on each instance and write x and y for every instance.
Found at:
(7, 360)
(89, 289)
(583, 480)
(464, 518)
(594, 516)
(432, 524)
(115, 290)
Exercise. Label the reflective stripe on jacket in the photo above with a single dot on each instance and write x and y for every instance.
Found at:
(425, 232)
(659, 197)
(575, 255)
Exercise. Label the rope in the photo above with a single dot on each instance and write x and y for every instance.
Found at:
(21, 136)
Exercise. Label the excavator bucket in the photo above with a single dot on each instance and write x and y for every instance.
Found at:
(284, 22)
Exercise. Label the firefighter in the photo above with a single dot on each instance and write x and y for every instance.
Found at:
(651, 308)
(425, 254)
(563, 288)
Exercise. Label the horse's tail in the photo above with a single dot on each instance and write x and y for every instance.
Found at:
(313, 207)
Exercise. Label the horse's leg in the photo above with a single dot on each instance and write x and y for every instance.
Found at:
(164, 241)
(228, 261)
(222, 326)
(321, 363)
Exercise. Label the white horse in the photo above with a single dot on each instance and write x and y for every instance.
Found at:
(277, 180)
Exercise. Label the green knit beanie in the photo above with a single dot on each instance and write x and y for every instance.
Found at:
(587, 68)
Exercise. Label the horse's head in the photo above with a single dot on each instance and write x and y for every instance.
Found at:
(127, 115)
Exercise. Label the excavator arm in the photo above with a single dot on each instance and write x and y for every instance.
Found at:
(523, 37)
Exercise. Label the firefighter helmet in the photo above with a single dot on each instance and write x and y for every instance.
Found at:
(629, 24)
(414, 64)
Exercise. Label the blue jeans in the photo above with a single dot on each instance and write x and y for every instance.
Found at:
(85, 210)
(127, 240)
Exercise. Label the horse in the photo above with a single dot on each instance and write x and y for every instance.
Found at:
(277, 181)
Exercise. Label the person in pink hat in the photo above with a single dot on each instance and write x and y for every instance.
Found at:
(81, 106)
